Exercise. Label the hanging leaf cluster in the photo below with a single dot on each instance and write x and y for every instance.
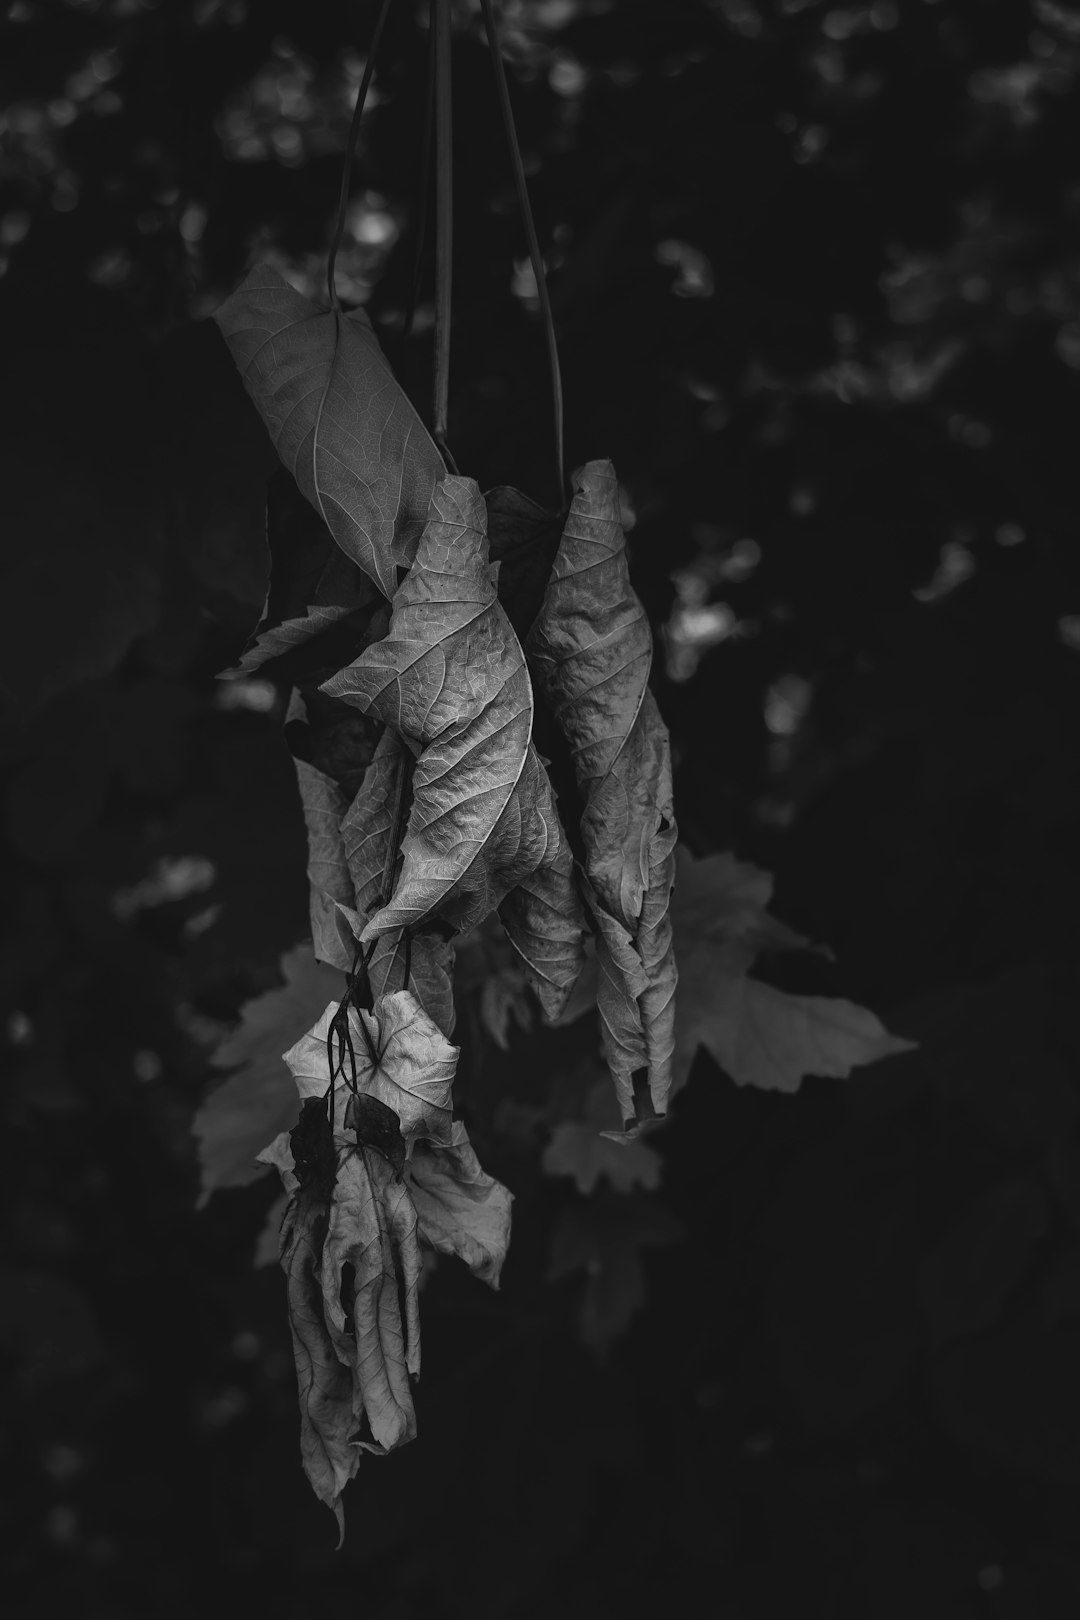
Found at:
(416, 621)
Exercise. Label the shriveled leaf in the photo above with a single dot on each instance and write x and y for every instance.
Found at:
(352, 1261)
(372, 1229)
(544, 921)
(328, 872)
(338, 418)
(450, 678)
(324, 1383)
(259, 1100)
(591, 650)
(461, 1209)
(761, 1036)
(584, 1150)
(404, 1060)
(367, 833)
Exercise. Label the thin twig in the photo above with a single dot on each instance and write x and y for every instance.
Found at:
(530, 233)
(350, 153)
(422, 193)
(444, 213)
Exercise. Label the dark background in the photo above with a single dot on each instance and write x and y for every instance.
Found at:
(817, 276)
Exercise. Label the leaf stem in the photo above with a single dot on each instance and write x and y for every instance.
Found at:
(444, 213)
(350, 153)
(422, 194)
(530, 233)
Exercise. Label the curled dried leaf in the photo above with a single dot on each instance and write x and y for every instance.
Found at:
(461, 1209)
(591, 650)
(450, 678)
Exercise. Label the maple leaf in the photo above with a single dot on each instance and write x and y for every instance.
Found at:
(584, 1149)
(338, 418)
(402, 1058)
(259, 1099)
(591, 650)
(759, 1035)
(461, 1210)
(450, 678)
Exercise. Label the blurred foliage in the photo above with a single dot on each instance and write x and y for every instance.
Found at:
(817, 274)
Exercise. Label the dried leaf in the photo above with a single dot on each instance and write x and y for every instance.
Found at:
(328, 873)
(324, 1383)
(338, 418)
(259, 1100)
(404, 1060)
(461, 1210)
(372, 1229)
(450, 677)
(367, 830)
(761, 1036)
(591, 650)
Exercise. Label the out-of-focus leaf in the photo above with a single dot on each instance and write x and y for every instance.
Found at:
(982, 1258)
(367, 831)
(591, 650)
(502, 998)
(761, 1036)
(450, 677)
(338, 418)
(328, 872)
(268, 1242)
(259, 1100)
(404, 1060)
(579, 1149)
(461, 1209)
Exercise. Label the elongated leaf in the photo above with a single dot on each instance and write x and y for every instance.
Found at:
(403, 1059)
(367, 830)
(591, 650)
(328, 871)
(450, 677)
(324, 1383)
(461, 1209)
(372, 1229)
(339, 421)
